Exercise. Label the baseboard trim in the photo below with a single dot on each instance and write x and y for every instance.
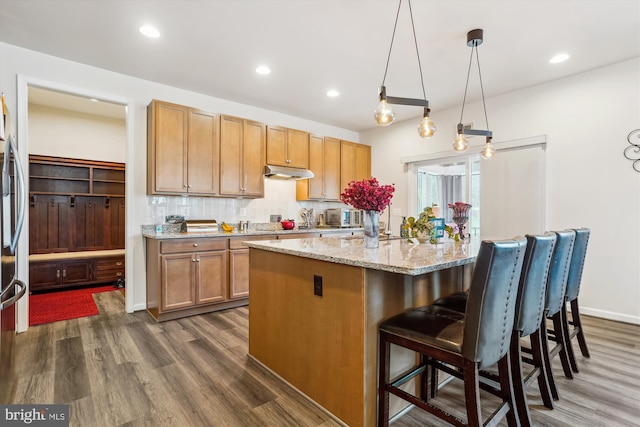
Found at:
(610, 315)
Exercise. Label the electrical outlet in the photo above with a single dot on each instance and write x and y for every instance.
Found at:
(317, 285)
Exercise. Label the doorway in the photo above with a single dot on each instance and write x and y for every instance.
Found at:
(24, 86)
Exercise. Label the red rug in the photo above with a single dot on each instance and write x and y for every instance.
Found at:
(64, 305)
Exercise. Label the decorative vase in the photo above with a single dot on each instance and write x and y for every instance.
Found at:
(371, 229)
(460, 217)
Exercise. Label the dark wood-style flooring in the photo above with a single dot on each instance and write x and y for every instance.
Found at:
(119, 369)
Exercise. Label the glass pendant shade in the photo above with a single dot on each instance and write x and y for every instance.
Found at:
(384, 114)
(427, 128)
(488, 151)
(460, 143)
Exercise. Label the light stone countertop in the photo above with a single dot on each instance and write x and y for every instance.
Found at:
(251, 232)
(396, 256)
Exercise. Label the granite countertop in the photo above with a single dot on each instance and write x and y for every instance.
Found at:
(252, 232)
(396, 256)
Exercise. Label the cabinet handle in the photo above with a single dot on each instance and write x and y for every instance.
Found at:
(189, 186)
(57, 274)
(119, 273)
(198, 260)
(195, 245)
(119, 263)
(193, 260)
(288, 161)
(64, 273)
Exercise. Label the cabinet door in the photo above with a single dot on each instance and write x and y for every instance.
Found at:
(362, 168)
(49, 224)
(43, 275)
(347, 163)
(316, 164)
(231, 135)
(202, 153)
(116, 223)
(277, 146)
(88, 223)
(77, 272)
(167, 148)
(178, 281)
(297, 148)
(239, 273)
(253, 159)
(211, 276)
(331, 156)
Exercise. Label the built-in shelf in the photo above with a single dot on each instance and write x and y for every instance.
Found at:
(61, 175)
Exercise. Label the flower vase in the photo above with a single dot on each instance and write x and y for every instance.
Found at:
(371, 229)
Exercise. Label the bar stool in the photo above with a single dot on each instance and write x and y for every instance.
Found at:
(555, 304)
(530, 310)
(573, 328)
(469, 342)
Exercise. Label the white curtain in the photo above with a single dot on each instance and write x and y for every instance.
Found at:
(450, 190)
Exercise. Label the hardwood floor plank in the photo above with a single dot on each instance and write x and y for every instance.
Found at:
(118, 369)
(71, 371)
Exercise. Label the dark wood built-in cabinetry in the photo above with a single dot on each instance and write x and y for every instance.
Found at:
(75, 206)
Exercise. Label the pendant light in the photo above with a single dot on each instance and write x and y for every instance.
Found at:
(474, 39)
(384, 114)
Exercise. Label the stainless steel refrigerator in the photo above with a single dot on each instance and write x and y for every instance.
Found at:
(12, 209)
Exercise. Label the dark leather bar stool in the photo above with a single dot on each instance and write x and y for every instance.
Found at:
(468, 341)
(555, 304)
(573, 327)
(530, 311)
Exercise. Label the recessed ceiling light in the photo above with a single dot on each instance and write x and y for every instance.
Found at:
(333, 93)
(150, 31)
(263, 69)
(93, 100)
(561, 57)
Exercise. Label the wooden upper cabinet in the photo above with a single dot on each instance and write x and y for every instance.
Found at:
(202, 153)
(287, 147)
(324, 162)
(182, 146)
(355, 162)
(242, 157)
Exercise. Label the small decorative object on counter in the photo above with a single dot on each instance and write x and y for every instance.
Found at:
(404, 227)
(288, 224)
(371, 197)
(460, 217)
(421, 228)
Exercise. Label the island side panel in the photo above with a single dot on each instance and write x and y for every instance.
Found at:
(388, 294)
(314, 343)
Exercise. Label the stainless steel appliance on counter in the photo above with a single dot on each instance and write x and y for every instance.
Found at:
(12, 208)
(340, 217)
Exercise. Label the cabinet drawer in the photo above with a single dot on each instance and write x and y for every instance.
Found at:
(110, 264)
(109, 275)
(191, 245)
(236, 242)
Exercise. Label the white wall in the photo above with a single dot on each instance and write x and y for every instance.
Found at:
(68, 76)
(63, 133)
(586, 119)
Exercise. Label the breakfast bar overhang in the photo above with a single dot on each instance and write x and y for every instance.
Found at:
(315, 306)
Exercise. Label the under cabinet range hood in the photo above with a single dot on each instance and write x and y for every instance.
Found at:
(286, 172)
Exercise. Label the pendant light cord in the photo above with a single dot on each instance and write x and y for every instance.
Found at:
(486, 120)
(393, 36)
(415, 40)
(464, 99)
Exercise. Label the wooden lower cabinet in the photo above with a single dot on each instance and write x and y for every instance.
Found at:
(59, 274)
(64, 273)
(239, 273)
(187, 277)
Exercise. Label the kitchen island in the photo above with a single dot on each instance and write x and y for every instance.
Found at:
(315, 306)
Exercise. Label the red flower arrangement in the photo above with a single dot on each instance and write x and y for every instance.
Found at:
(368, 195)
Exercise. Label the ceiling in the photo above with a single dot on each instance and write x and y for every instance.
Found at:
(214, 46)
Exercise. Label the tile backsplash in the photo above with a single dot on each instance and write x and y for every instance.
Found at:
(280, 198)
